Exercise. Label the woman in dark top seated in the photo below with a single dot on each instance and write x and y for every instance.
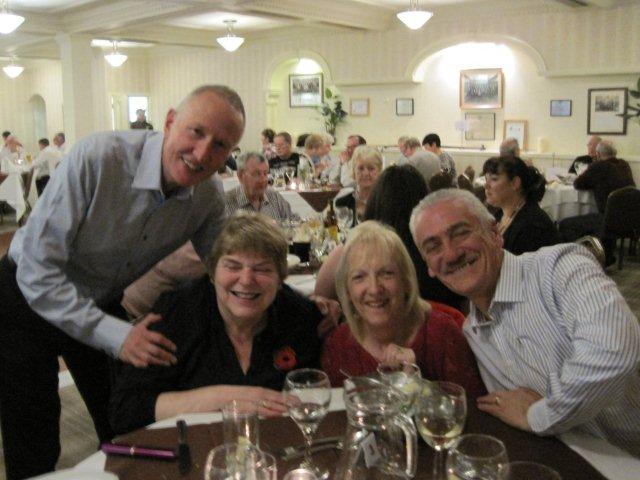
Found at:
(398, 190)
(238, 331)
(516, 189)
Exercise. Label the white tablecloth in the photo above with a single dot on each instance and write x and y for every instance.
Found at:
(12, 192)
(612, 462)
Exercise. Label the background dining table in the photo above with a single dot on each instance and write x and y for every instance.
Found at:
(12, 190)
(575, 457)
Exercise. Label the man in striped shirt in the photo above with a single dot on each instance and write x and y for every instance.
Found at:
(557, 345)
(253, 193)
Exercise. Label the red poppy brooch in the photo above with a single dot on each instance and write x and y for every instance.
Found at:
(285, 359)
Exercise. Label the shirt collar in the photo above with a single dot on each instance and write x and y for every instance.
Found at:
(510, 289)
(148, 174)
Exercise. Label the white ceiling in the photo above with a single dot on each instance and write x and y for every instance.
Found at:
(197, 22)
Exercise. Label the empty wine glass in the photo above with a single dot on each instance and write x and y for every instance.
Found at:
(345, 218)
(530, 470)
(440, 412)
(477, 456)
(308, 396)
(237, 461)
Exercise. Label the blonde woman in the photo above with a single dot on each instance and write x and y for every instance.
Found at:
(367, 165)
(387, 321)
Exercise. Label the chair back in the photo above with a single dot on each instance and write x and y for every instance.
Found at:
(465, 183)
(27, 178)
(454, 313)
(594, 245)
(622, 213)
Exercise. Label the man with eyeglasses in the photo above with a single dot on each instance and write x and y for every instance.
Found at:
(557, 345)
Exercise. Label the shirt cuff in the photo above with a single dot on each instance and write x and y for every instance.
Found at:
(109, 335)
(538, 417)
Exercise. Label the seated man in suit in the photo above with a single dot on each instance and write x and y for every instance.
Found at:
(603, 176)
(584, 161)
(557, 345)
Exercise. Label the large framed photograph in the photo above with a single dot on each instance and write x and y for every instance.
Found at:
(404, 107)
(481, 88)
(480, 126)
(359, 107)
(516, 129)
(305, 90)
(560, 108)
(605, 105)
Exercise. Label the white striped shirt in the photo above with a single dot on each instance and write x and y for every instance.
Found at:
(558, 325)
(273, 204)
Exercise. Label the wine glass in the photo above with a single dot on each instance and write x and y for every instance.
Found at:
(308, 396)
(237, 461)
(345, 218)
(478, 456)
(404, 376)
(527, 470)
(440, 411)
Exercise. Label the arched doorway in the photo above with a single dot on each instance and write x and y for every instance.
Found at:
(38, 119)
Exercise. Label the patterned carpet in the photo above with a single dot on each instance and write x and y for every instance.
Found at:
(79, 439)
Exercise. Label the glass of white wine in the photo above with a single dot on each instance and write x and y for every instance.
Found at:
(310, 390)
(440, 410)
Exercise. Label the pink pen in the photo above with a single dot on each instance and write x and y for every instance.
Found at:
(134, 451)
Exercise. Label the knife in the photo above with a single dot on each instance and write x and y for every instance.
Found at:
(184, 453)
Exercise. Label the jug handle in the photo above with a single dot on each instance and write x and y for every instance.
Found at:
(410, 434)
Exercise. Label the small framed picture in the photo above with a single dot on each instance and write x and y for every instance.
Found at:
(480, 126)
(305, 90)
(516, 129)
(359, 107)
(404, 107)
(560, 108)
(605, 107)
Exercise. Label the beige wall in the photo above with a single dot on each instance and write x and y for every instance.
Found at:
(552, 57)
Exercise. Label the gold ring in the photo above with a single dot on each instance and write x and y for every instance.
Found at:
(264, 403)
(497, 400)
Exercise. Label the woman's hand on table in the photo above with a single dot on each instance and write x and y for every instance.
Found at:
(394, 354)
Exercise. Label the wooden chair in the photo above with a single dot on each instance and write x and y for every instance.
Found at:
(27, 178)
(3, 177)
(454, 313)
(622, 218)
(594, 245)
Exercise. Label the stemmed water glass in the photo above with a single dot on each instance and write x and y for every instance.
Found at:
(440, 411)
(308, 396)
(478, 456)
(404, 376)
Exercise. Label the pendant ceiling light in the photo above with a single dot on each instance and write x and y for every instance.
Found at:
(230, 42)
(13, 70)
(8, 21)
(115, 58)
(414, 18)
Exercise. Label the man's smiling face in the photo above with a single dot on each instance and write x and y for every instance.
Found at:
(462, 253)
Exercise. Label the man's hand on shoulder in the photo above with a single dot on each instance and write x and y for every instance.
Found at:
(510, 406)
(331, 311)
(144, 347)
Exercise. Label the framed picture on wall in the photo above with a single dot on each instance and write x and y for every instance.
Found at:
(481, 88)
(605, 105)
(516, 129)
(359, 107)
(560, 108)
(404, 107)
(480, 126)
(305, 90)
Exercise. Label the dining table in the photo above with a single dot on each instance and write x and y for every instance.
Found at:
(574, 457)
(12, 190)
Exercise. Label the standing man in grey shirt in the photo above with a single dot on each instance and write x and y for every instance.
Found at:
(120, 202)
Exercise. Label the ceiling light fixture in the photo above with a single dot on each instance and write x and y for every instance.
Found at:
(115, 58)
(414, 18)
(230, 42)
(8, 21)
(13, 70)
